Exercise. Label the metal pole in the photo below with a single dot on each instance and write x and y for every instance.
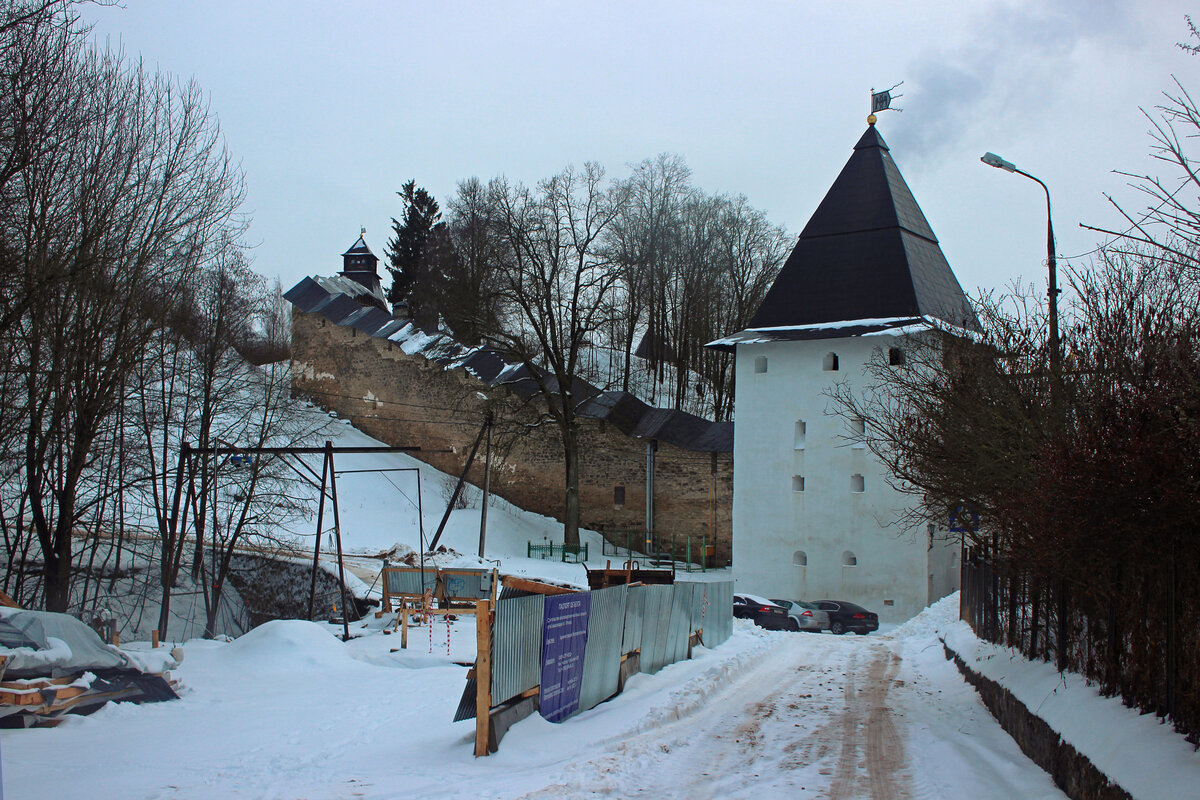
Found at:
(420, 512)
(1052, 287)
(458, 487)
(993, 160)
(649, 496)
(337, 529)
(312, 593)
(487, 478)
(421, 530)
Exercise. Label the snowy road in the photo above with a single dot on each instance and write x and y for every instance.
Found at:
(823, 717)
(288, 711)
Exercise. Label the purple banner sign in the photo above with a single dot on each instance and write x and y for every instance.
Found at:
(564, 639)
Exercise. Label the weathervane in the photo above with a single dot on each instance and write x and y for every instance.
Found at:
(882, 101)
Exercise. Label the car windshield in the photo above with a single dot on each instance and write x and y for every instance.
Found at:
(809, 606)
(852, 607)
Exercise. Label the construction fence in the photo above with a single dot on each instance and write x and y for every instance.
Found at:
(562, 654)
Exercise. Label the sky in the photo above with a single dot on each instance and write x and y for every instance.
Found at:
(332, 107)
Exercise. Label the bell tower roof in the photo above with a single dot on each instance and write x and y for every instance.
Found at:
(361, 265)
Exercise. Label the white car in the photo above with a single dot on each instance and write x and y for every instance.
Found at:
(804, 616)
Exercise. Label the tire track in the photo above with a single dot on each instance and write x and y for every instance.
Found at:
(869, 739)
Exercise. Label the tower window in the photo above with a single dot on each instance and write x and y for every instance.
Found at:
(760, 364)
(797, 483)
(830, 364)
(798, 443)
(858, 433)
(849, 559)
(857, 484)
(618, 496)
(800, 559)
(895, 357)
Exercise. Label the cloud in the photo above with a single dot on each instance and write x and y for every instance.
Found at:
(1014, 60)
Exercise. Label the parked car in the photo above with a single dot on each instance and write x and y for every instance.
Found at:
(804, 616)
(845, 616)
(764, 613)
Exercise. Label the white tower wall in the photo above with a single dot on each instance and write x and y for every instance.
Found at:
(832, 520)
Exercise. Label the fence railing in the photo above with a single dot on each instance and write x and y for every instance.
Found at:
(1127, 641)
(570, 553)
(686, 553)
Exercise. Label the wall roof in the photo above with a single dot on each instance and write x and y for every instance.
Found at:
(338, 300)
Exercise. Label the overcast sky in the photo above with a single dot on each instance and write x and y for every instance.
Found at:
(331, 107)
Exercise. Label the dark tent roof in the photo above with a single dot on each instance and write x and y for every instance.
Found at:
(867, 253)
(359, 248)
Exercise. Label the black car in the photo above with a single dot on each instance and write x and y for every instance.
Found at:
(845, 616)
(764, 613)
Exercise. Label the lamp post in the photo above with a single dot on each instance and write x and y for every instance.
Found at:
(993, 160)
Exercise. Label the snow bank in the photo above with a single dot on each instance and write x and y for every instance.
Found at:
(1137, 751)
(286, 645)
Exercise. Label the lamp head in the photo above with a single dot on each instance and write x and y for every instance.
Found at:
(993, 160)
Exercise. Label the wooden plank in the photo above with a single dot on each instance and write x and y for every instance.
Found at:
(483, 676)
(536, 587)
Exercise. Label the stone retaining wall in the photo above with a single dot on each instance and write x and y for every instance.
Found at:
(1072, 772)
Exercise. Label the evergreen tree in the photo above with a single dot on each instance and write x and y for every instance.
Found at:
(415, 277)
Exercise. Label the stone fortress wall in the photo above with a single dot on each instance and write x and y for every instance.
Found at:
(410, 399)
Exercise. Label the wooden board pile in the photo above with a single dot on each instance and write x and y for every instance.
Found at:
(44, 701)
(52, 665)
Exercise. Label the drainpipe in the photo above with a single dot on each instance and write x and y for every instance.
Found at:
(651, 447)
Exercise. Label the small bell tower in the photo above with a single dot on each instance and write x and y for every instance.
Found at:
(361, 265)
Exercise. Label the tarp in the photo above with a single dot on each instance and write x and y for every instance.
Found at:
(43, 643)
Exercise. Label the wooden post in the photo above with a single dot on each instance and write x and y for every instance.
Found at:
(387, 597)
(337, 529)
(403, 625)
(312, 592)
(154, 638)
(483, 675)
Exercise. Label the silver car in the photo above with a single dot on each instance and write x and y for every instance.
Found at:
(804, 616)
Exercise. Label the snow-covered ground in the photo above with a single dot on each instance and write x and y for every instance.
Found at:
(289, 711)
(378, 505)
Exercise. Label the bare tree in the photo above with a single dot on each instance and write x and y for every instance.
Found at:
(556, 292)
(1171, 221)
(252, 502)
(115, 220)
(641, 242)
(470, 302)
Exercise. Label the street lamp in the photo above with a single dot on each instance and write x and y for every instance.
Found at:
(993, 160)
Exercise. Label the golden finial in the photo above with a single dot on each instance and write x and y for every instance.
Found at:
(871, 119)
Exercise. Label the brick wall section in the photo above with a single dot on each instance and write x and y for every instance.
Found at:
(405, 399)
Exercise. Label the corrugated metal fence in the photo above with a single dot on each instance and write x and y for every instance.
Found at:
(655, 623)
